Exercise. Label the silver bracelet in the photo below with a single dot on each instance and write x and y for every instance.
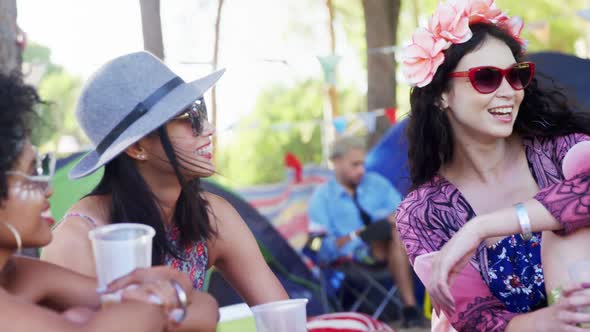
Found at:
(352, 235)
(179, 314)
(524, 221)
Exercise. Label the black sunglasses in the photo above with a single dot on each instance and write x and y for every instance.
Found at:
(197, 114)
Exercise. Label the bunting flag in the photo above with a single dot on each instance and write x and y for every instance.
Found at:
(329, 63)
(306, 131)
(390, 114)
(370, 120)
(340, 124)
(585, 14)
(291, 161)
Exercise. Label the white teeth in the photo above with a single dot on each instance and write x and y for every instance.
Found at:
(501, 110)
(204, 150)
(46, 214)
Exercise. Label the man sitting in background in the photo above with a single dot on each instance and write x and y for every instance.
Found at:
(355, 212)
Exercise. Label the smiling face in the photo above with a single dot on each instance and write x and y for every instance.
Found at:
(477, 116)
(193, 152)
(27, 206)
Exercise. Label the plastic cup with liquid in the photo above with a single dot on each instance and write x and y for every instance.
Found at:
(281, 316)
(118, 250)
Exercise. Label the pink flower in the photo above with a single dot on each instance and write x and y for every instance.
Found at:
(423, 57)
(484, 11)
(451, 23)
(514, 25)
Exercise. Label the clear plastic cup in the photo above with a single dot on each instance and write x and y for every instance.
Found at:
(119, 249)
(281, 316)
(580, 272)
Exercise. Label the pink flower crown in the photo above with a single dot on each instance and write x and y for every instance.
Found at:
(450, 25)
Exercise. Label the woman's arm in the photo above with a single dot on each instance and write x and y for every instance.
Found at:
(52, 285)
(71, 247)
(21, 316)
(565, 205)
(202, 314)
(236, 254)
(504, 222)
(425, 228)
(567, 200)
(561, 316)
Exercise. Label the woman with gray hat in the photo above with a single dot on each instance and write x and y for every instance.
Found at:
(38, 296)
(151, 133)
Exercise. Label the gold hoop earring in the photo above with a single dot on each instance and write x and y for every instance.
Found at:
(15, 233)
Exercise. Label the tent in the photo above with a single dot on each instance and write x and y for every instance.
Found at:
(569, 71)
(295, 276)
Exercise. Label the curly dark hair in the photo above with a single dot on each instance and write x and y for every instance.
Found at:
(17, 104)
(543, 111)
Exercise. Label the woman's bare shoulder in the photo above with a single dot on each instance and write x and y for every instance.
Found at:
(215, 201)
(89, 212)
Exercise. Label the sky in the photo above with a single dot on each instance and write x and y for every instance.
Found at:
(84, 34)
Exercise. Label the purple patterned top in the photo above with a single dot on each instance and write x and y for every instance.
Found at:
(196, 263)
(430, 215)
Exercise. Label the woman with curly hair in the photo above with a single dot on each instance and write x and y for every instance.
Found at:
(39, 296)
(486, 148)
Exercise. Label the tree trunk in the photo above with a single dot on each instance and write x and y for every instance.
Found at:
(332, 93)
(10, 52)
(381, 20)
(215, 61)
(151, 27)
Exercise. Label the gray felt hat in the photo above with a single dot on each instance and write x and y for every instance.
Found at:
(128, 98)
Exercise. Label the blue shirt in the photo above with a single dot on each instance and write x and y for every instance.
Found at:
(332, 211)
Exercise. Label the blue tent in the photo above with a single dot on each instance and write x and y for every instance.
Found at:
(389, 157)
(569, 71)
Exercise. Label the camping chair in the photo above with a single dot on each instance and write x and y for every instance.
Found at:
(341, 279)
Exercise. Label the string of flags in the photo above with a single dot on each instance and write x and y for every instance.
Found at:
(340, 123)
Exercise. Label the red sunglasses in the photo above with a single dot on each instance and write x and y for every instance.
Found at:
(487, 79)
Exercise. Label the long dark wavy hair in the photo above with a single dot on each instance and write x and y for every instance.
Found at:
(17, 117)
(543, 111)
(132, 200)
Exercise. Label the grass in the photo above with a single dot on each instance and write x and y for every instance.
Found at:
(239, 325)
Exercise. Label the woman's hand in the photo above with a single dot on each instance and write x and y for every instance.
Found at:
(79, 315)
(149, 275)
(156, 285)
(451, 259)
(566, 313)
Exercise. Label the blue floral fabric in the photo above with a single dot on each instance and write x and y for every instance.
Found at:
(515, 273)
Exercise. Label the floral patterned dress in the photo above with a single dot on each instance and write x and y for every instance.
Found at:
(197, 258)
(515, 273)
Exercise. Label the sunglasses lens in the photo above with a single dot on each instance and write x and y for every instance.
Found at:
(45, 165)
(200, 116)
(520, 76)
(486, 80)
(196, 123)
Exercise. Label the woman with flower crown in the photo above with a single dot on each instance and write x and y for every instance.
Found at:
(489, 152)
